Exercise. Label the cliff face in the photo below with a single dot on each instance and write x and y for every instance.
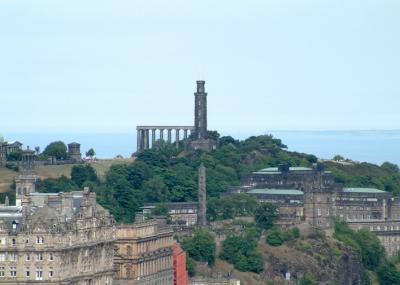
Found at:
(329, 261)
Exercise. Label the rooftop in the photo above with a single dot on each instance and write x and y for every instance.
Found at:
(276, 191)
(276, 169)
(363, 190)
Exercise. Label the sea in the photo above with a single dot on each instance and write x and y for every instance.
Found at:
(374, 146)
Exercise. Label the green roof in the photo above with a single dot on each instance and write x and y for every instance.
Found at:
(363, 190)
(276, 169)
(276, 191)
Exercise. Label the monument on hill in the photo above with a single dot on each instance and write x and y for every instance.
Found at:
(198, 139)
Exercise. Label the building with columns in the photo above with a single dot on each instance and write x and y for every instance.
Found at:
(193, 137)
(148, 135)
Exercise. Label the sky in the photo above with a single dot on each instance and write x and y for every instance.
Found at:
(107, 66)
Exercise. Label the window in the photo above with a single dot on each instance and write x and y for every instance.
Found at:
(2, 256)
(51, 273)
(12, 256)
(13, 271)
(2, 269)
(39, 256)
(319, 212)
(39, 274)
(2, 241)
(51, 258)
(39, 240)
(14, 242)
(27, 257)
(27, 273)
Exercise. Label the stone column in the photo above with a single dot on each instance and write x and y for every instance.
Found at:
(153, 137)
(146, 138)
(177, 137)
(162, 134)
(142, 135)
(169, 136)
(138, 146)
(185, 134)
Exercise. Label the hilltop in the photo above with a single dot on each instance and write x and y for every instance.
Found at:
(55, 171)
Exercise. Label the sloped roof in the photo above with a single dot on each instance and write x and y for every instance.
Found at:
(363, 190)
(276, 192)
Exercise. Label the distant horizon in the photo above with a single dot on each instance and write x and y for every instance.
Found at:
(374, 146)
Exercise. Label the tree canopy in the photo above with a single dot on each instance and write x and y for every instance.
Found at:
(56, 149)
(201, 247)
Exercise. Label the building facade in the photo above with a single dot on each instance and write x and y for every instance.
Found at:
(56, 238)
(182, 213)
(143, 254)
(179, 259)
(310, 195)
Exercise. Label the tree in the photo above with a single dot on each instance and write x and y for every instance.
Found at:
(213, 135)
(372, 252)
(338, 157)
(308, 279)
(15, 155)
(37, 150)
(265, 215)
(391, 167)
(156, 190)
(275, 238)
(56, 149)
(242, 253)
(91, 153)
(388, 275)
(201, 247)
(161, 210)
(82, 173)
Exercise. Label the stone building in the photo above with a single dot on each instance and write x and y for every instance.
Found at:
(12, 147)
(74, 151)
(310, 195)
(182, 213)
(56, 238)
(143, 254)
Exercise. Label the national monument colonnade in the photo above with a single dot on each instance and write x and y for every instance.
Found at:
(143, 135)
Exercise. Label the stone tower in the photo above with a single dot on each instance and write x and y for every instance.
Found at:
(200, 111)
(26, 181)
(74, 151)
(202, 206)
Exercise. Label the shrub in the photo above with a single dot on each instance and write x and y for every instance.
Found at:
(275, 238)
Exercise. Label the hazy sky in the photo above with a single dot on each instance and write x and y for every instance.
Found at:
(79, 66)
